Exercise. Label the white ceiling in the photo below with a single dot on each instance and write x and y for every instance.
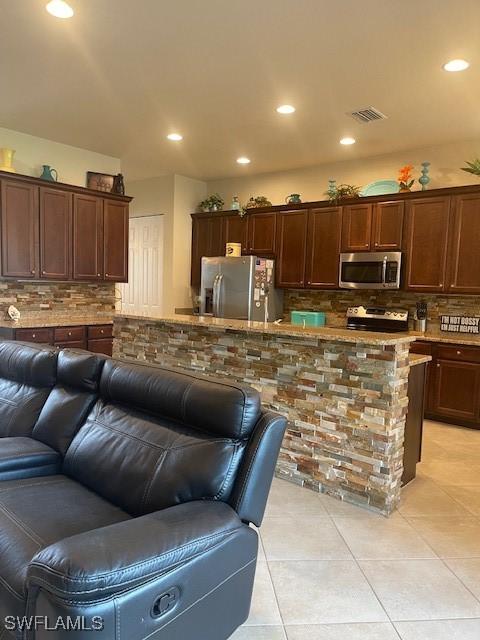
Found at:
(122, 74)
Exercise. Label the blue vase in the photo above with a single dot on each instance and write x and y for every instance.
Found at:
(48, 172)
(424, 178)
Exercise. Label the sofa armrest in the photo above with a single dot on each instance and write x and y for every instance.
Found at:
(121, 556)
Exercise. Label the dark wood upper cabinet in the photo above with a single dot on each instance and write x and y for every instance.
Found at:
(262, 229)
(356, 227)
(208, 239)
(87, 237)
(323, 248)
(291, 248)
(464, 247)
(19, 217)
(426, 242)
(55, 234)
(387, 226)
(115, 241)
(235, 230)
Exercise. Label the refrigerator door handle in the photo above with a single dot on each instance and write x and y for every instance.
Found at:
(219, 304)
(215, 296)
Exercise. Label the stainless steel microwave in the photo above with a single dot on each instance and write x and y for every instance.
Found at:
(376, 270)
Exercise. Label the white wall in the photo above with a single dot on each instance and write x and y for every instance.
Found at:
(175, 197)
(312, 182)
(72, 163)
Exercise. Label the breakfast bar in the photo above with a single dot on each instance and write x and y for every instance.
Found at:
(344, 393)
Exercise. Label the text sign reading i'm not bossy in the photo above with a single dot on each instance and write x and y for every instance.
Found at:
(460, 324)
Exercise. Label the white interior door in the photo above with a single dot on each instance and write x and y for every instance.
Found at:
(142, 295)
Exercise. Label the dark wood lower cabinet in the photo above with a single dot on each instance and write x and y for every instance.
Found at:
(414, 422)
(453, 383)
(95, 338)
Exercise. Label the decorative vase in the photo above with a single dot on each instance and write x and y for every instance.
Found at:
(48, 172)
(118, 185)
(235, 206)
(332, 189)
(6, 160)
(424, 178)
(214, 207)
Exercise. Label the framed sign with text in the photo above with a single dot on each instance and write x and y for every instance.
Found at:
(460, 324)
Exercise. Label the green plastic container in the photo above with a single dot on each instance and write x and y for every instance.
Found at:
(308, 318)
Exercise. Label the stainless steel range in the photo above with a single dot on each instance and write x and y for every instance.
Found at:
(377, 319)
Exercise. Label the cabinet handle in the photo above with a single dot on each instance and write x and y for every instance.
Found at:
(34, 335)
(106, 275)
(32, 271)
(98, 275)
(459, 353)
(44, 272)
(101, 331)
(438, 366)
(69, 333)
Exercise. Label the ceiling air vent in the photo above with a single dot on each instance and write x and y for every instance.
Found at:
(368, 114)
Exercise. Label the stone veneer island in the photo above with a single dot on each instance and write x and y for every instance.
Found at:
(344, 392)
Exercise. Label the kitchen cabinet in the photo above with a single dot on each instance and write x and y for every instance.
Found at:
(95, 338)
(387, 226)
(291, 247)
(19, 217)
(323, 247)
(372, 227)
(235, 230)
(208, 234)
(87, 237)
(426, 243)
(463, 273)
(356, 227)
(115, 241)
(426, 349)
(262, 228)
(55, 234)
(54, 231)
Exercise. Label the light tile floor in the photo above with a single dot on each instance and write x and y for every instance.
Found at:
(330, 571)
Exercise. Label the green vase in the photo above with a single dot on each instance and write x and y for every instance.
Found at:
(48, 172)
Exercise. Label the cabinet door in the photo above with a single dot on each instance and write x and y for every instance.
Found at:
(323, 248)
(115, 241)
(457, 387)
(426, 243)
(387, 226)
(356, 227)
(291, 248)
(463, 272)
(235, 230)
(55, 234)
(262, 228)
(427, 349)
(19, 217)
(87, 237)
(208, 239)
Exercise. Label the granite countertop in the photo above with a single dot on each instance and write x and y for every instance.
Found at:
(51, 320)
(448, 338)
(283, 329)
(418, 358)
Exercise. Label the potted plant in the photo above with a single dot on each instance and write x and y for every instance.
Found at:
(213, 203)
(473, 167)
(338, 192)
(405, 179)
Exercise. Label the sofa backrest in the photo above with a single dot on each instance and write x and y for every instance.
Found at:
(71, 399)
(27, 375)
(159, 437)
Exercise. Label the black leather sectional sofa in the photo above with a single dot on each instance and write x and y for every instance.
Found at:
(126, 495)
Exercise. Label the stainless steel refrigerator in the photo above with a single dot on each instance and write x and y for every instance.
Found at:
(242, 288)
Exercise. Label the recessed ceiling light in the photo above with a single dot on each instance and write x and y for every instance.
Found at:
(285, 108)
(456, 65)
(176, 137)
(59, 9)
(243, 160)
(347, 141)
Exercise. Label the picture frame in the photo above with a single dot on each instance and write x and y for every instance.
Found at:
(100, 181)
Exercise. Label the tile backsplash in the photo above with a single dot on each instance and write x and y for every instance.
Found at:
(33, 298)
(335, 303)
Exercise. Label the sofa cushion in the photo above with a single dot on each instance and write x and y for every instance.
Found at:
(27, 374)
(78, 378)
(216, 407)
(144, 463)
(26, 457)
(35, 513)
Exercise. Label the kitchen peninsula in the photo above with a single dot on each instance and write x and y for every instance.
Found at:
(345, 393)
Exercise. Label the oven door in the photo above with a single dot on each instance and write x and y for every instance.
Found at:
(370, 270)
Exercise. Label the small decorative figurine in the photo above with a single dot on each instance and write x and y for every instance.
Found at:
(424, 178)
(118, 185)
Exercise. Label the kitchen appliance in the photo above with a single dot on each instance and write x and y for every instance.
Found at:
(242, 288)
(420, 319)
(377, 319)
(372, 270)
